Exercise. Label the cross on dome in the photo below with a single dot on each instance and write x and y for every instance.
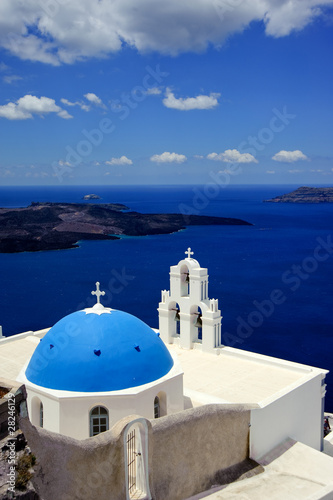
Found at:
(189, 253)
(98, 292)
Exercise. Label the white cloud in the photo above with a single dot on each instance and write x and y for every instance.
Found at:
(81, 104)
(189, 103)
(64, 114)
(198, 157)
(295, 171)
(14, 37)
(232, 156)
(270, 171)
(64, 32)
(94, 99)
(27, 106)
(12, 112)
(69, 103)
(316, 170)
(283, 17)
(6, 172)
(289, 156)
(91, 97)
(11, 79)
(123, 160)
(153, 91)
(167, 157)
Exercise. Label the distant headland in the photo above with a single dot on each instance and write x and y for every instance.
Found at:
(56, 226)
(306, 195)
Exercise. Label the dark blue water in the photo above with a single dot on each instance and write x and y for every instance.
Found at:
(246, 264)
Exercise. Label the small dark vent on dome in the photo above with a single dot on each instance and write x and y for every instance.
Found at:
(51, 346)
(137, 347)
(97, 352)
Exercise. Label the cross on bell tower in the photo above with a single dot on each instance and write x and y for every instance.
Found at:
(189, 253)
(98, 292)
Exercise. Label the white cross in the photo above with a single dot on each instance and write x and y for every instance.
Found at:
(98, 293)
(189, 253)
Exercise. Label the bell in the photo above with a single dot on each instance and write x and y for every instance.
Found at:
(187, 277)
(177, 315)
(198, 323)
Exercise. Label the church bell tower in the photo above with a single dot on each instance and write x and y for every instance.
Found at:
(186, 315)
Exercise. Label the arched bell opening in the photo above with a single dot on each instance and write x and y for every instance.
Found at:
(174, 311)
(184, 281)
(196, 324)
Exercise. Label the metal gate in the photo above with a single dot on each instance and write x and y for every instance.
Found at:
(136, 451)
(133, 456)
(131, 463)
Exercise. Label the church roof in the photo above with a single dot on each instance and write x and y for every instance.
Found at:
(97, 350)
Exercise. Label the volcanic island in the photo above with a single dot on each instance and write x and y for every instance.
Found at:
(57, 226)
(306, 195)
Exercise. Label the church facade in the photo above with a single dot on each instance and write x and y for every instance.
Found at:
(165, 392)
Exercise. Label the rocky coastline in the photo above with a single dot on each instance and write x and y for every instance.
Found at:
(56, 226)
(306, 195)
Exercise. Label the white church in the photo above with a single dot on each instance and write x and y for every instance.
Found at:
(99, 376)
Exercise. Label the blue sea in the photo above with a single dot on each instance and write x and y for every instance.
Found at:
(274, 280)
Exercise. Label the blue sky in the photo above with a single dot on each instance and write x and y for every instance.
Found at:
(142, 92)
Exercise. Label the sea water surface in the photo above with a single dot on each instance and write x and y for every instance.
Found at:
(246, 265)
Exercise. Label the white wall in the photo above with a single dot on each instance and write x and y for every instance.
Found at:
(70, 416)
(297, 415)
(50, 410)
(174, 397)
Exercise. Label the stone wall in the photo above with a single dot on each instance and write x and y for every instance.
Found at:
(68, 469)
(199, 448)
(187, 453)
(6, 387)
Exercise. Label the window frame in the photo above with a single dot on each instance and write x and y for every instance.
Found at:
(41, 415)
(97, 425)
(157, 407)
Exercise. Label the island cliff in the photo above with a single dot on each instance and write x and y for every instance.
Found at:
(55, 226)
(306, 195)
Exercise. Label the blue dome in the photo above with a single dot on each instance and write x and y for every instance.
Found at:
(96, 352)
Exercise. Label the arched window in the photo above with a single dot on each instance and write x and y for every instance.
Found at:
(160, 405)
(99, 420)
(37, 412)
(41, 415)
(157, 408)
